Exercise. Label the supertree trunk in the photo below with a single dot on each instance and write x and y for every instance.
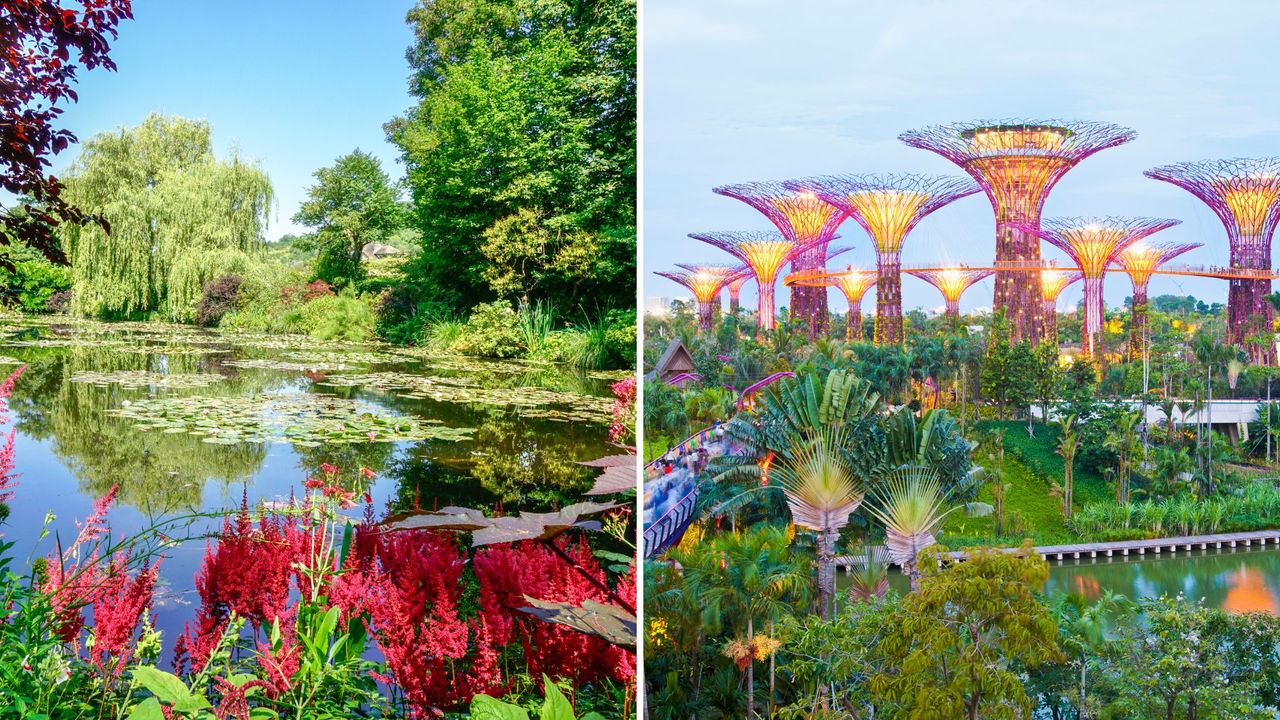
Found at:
(765, 308)
(855, 323)
(734, 305)
(1249, 312)
(1138, 324)
(1092, 315)
(808, 303)
(953, 310)
(1050, 315)
(706, 315)
(888, 298)
(1015, 294)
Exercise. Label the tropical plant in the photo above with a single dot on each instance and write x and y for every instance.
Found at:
(1068, 441)
(742, 580)
(1126, 442)
(910, 505)
(822, 493)
(869, 573)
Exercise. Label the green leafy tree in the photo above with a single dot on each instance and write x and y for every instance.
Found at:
(1173, 666)
(1068, 442)
(743, 581)
(957, 647)
(352, 203)
(168, 202)
(521, 150)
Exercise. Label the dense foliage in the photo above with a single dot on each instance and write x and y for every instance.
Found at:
(521, 152)
(179, 218)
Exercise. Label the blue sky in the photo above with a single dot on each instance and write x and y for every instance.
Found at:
(292, 84)
(739, 90)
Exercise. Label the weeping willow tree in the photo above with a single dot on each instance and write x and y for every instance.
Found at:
(178, 217)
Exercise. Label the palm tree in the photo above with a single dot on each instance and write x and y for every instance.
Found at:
(1068, 442)
(1211, 354)
(869, 577)
(911, 509)
(748, 578)
(1082, 628)
(1170, 465)
(822, 493)
(1167, 408)
(1125, 441)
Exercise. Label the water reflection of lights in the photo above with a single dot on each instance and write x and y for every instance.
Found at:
(1248, 592)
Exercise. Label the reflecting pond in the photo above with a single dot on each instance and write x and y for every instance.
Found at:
(1237, 580)
(184, 420)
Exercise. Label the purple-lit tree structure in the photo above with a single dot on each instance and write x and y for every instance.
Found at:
(952, 282)
(853, 282)
(765, 253)
(1052, 283)
(888, 207)
(735, 284)
(705, 282)
(1093, 243)
(1140, 261)
(805, 220)
(1018, 162)
(1245, 194)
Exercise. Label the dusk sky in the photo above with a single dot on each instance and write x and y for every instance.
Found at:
(741, 90)
(293, 84)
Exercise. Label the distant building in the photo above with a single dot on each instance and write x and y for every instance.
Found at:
(377, 251)
(675, 366)
(660, 307)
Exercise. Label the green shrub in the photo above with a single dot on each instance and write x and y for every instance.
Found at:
(31, 283)
(334, 317)
(194, 271)
(441, 332)
(491, 331)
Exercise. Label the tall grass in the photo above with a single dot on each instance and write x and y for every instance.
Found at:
(441, 332)
(534, 322)
(592, 351)
(1253, 509)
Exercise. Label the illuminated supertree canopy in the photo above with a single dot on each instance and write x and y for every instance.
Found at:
(952, 282)
(1245, 195)
(853, 282)
(735, 284)
(765, 253)
(888, 207)
(1052, 283)
(806, 220)
(1140, 261)
(705, 282)
(1017, 163)
(1093, 243)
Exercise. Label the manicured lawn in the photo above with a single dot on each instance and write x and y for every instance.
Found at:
(1031, 466)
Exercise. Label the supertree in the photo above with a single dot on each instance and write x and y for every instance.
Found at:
(1052, 283)
(765, 252)
(705, 282)
(1018, 162)
(735, 287)
(1094, 243)
(888, 207)
(1140, 261)
(805, 220)
(952, 282)
(853, 282)
(1245, 194)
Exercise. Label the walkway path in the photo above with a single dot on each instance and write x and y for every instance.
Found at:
(670, 497)
(1132, 547)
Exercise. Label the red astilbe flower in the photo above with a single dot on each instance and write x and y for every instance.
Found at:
(235, 699)
(281, 663)
(508, 573)
(118, 605)
(72, 582)
(623, 410)
(8, 478)
(430, 650)
(246, 571)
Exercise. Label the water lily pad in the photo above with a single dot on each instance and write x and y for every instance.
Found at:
(531, 401)
(308, 419)
(141, 378)
(353, 357)
(288, 366)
